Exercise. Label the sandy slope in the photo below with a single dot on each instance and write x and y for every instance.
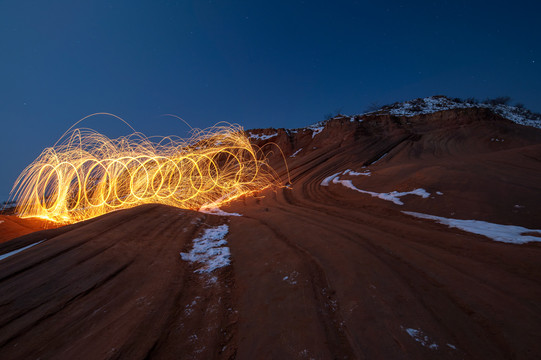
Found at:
(317, 271)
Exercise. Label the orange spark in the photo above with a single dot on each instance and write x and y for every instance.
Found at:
(86, 174)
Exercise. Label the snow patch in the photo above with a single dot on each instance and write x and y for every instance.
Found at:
(188, 310)
(504, 233)
(6, 255)
(328, 179)
(214, 210)
(262, 136)
(209, 250)
(316, 131)
(420, 337)
(291, 279)
(350, 172)
(354, 173)
(427, 105)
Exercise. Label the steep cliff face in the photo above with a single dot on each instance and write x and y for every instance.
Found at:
(401, 235)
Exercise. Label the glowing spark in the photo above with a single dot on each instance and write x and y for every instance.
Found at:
(86, 174)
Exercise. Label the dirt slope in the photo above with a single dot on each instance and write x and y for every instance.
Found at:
(316, 271)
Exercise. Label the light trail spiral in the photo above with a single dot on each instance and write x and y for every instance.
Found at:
(86, 174)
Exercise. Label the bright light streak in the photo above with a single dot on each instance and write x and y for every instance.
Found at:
(86, 174)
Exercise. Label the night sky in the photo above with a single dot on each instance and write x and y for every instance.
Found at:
(255, 63)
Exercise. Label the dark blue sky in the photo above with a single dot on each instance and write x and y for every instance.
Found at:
(256, 63)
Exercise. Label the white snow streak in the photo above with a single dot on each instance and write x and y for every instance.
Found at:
(350, 172)
(420, 337)
(262, 136)
(295, 153)
(393, 196)
(378, 159)
(214, 210)
(503, 233)
(354, 173)
(6, 255)
(328, 179)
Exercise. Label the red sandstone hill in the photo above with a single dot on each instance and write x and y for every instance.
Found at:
(400, 237)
